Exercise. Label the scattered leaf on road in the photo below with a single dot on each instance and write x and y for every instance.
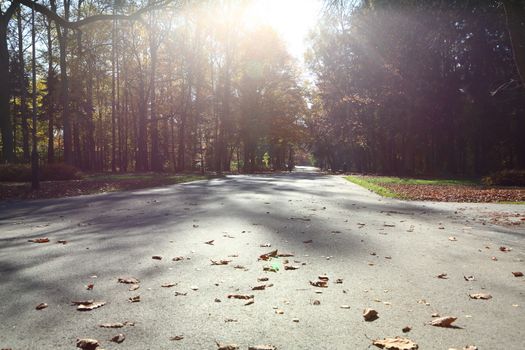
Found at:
(134, 287)
(261, 287)
(177, 337)
(469, 278)
(128, 280)
(269, 255)
(345, 306)
(111, 325)
(169, 285)
(119, 338)
(156, 257)
(518, 274)
(370, 315)
(396, 343)
(505, 249)
(291, 267)
(220, 262)
(240, 296)
(210, 242)
(178, 258)
(484, 296)
(442, 276)
(262, 347)
(308, 241)
(90, 306)
(41, 306)
(320, 284)
(249, 302)
(39, 240)
(445, 321)
(452, 238)
(134, 299)
(406, 329)
(87, 344)
(221, 346)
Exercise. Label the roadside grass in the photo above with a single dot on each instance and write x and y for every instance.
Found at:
(373, 185)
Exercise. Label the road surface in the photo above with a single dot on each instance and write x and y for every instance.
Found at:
(386, 252)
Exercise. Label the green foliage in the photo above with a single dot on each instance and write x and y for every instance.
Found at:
(372, 186)
(506, 178)
(49, 172)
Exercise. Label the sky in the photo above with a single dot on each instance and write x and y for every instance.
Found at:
(292, 19)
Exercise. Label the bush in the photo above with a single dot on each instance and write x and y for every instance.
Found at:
(48, 172)
(506, 178)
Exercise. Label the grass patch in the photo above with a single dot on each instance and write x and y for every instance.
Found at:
(410, 181)
(371, 184)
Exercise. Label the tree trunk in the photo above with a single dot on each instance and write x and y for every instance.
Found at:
(23, 90)
(6, 127)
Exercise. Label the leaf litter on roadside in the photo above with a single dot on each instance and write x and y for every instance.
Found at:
(128, 280)
(119, 338)
(41, 306)
(445, 322)
(39, 240)
(397, 343)
(87, 344)
(484, 296)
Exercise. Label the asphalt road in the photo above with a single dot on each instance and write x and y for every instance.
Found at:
(387, 253)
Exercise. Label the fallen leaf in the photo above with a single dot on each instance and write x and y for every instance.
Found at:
(87, 344)
(270, 268)
(39, 240)
(41, 306)
(370, 315)
(119, 338)
(285, 255)
(323, 278)
(90, 286)
(269, 255)
(128, 280)
(62, 241)
(265, 245)
(445, 321)
(227, 346)
(316, 302)
(249, 302)
(261, 287)
(469, 278)
(220, 262)
(442, 276)
(505, 249)
(169, 285)
(345, 306)
(291, 267)
(240, 296)
(134, 287)
(279, 312)
(90, 306)
(156, 257)
(262, 279)
(396, 343)
(435, 314)
(308, 241)
(320, 284)
(262, 347)
(406, 329)
(452, 238)
(180, 293)
(518, 274)
(195, 288)
(134, 299)
(111, 325)
(177, 337)
(178, 258)
(339, 281)
(494, 258)
(210, 242)
(483, 296)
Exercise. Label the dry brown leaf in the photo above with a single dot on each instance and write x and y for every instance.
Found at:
(320, 284)
(177, 337)
(270, 269)
(39, 240)
(262, 347)
(445, 321)
(308, 241)
(279, 312)
(240, 296)
(90, 306)
(316, 302)
(396, 343)
(494, 258)
(261, 287)
(180, 293)
(442, 276)
(210, 242)
(61, 241)
(178, 258)
(128, 280)
(41, 306)
(90, 286)
(82, 302)
(323, 278)
(169, 285)
(269, 255)
(484, 296)
(134, 299)
(518, 274)
(220, 262)
(134, 287)
(406, 329)
(249, 302)
(291, 267)
(370, 315)
(262, 279)
(345, 306)
(119, 338)
(195, 288)
(265, 245)
(156, 257)
(111, 325)
(469, 278)
(87, 344)
(221, 346)
(505, 249)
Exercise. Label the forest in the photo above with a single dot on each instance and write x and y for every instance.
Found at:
(393, 87)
